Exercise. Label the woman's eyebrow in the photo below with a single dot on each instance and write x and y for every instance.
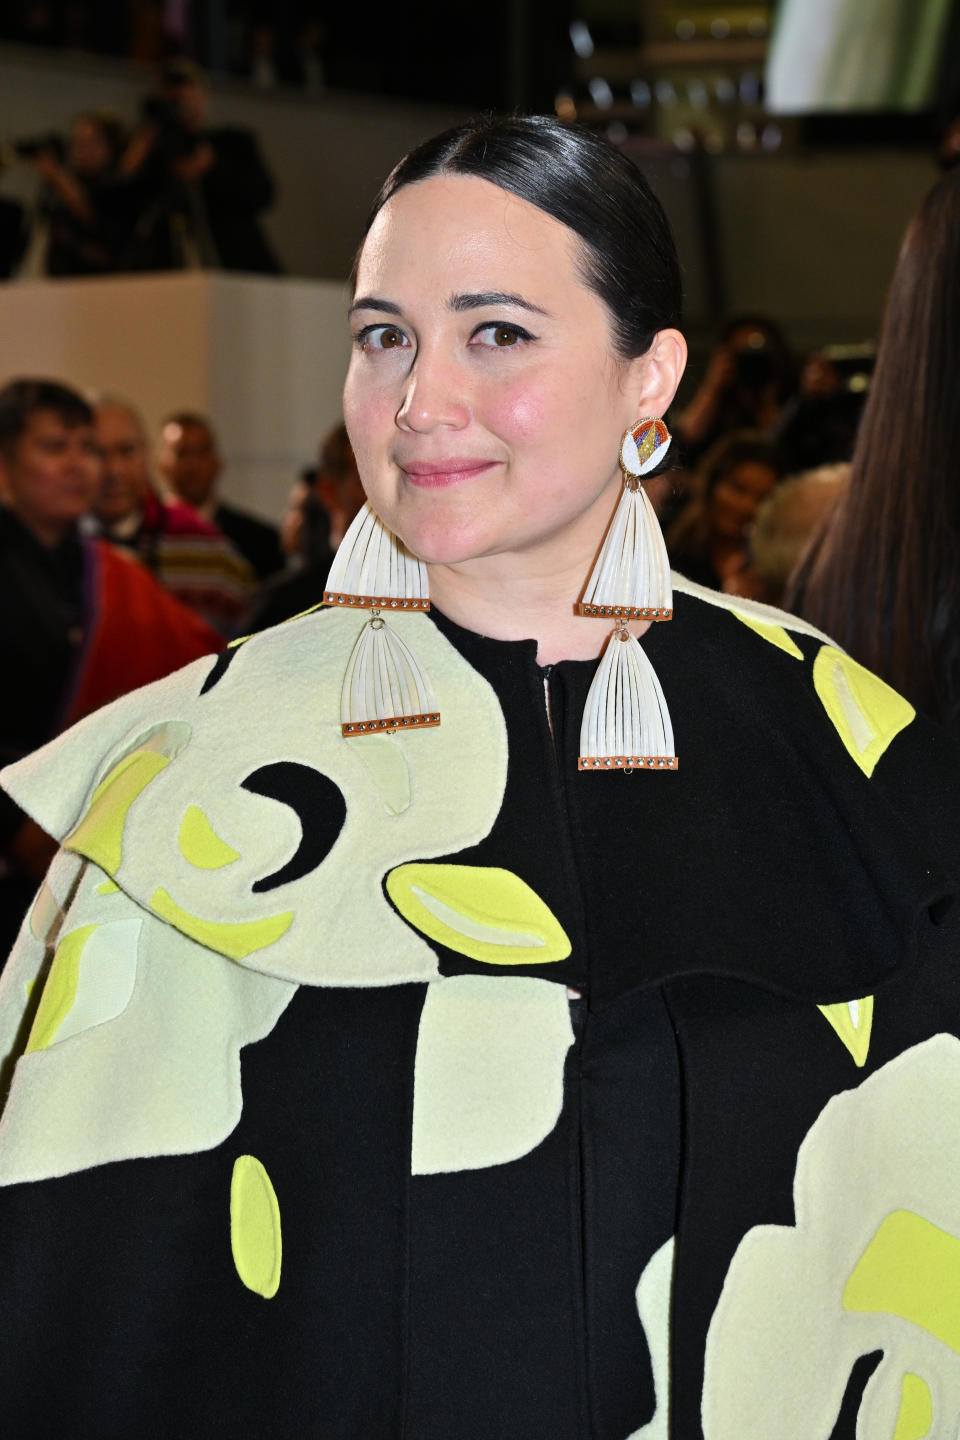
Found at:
(370, 302)
(479, 300)
(484, 298)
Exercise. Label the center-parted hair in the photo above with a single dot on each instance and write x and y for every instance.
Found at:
(627, 252)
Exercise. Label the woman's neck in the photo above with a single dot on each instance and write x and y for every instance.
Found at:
(517, 597)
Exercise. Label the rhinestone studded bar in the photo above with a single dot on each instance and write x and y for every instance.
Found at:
(627, 762)
(373, 602)
(624, 612)
(393, 722)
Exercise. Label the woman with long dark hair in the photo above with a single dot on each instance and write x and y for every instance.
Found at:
(389, 1065)
(883, 576)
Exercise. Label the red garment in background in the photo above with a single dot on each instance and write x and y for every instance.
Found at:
(136, 632)
(196, 562)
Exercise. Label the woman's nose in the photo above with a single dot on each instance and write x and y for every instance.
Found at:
(434, 397)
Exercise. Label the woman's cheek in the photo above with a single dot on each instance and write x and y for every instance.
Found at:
(369, 415)
(520, 413)
(368, 400)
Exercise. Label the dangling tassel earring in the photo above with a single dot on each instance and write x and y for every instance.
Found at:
(385, 687)
(632, 575)
(626, 724)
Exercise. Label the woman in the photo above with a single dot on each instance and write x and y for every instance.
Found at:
(708, 541)
(884, 575)
(528, 1052)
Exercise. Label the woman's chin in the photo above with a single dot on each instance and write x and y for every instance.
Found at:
(439, 544)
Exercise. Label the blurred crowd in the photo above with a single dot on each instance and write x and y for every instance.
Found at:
(171, 192)
(120, 562)
(764, 441)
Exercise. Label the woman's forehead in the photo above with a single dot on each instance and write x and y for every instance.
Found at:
(450, 225)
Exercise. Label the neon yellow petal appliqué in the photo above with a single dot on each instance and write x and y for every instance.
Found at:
(489, 914)
(853, 1022)
(255, 1237)
(233, 940)
(911, 1269)
(200, 845)
(866, 712)
(916, 1409)
(775, 634)
(60, 990)
(99, 836)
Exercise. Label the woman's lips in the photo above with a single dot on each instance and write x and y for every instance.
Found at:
(441, 473)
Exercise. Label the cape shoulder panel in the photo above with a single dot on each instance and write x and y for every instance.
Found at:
(225, 801)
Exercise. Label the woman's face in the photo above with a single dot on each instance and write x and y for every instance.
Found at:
(737, 496)
(484, 401)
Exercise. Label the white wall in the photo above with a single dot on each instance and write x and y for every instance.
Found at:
(264, 357)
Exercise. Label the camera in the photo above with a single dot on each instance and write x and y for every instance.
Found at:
(755, 366)
(29, 147)
(173, 138)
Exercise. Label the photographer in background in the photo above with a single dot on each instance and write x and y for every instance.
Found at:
(819, 425)
(749, 379)
(14, 233)
(88, 210)
(202, 189)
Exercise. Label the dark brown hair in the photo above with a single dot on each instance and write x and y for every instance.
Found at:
(22, 399)
(884, 577)
(628, 257)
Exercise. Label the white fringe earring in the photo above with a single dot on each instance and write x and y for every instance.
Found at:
(626, 724)
(632, 573)
(385, 687)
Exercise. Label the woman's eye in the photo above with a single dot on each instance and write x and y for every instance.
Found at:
(381, 337)
(499, 335)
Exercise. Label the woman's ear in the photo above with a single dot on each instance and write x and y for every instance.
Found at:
(653, 377)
